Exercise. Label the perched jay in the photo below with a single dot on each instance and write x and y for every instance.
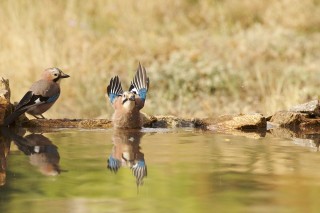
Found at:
(40, 97)
(127, 104)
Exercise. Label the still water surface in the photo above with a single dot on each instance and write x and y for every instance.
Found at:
(156, 171)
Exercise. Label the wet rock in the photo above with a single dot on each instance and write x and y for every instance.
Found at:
(148, 120)
(162, 121)
(68, 123)
(304, 116)
(222, 123)
(311, 108)
(288, 119)
(238, 122)
(166, 121)
(310, 124)
(5, 105)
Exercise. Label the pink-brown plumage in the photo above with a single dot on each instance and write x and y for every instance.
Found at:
(40, 97)
(127, 105)
(124, 118)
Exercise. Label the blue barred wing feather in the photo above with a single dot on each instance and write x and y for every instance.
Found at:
(140, 83)
(114, 89)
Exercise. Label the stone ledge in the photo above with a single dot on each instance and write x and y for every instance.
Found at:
(244, 122)
(303, 117)
(250, 122)
(67, 123)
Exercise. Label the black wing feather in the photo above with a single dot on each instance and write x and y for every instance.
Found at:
(140, 80)
(25, 100)
(28, 100)
(114, 88)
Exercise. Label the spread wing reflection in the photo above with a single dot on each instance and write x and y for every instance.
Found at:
(126, 152)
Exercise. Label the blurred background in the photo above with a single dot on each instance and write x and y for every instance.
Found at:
(204, 57)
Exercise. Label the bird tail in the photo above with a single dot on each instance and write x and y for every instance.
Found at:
(13, 116)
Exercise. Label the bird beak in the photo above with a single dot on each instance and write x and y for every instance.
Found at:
(124, 100)
(131, 98)
(63, 75)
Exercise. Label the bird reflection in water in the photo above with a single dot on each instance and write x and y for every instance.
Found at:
(126, 153)
(4, 150)
(42, 153)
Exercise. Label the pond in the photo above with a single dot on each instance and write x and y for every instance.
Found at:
(156, 170)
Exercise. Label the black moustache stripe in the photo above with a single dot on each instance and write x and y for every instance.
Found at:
(56, 79)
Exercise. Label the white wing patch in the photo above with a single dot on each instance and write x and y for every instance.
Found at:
(134, 90)
(37, 101)
(36, 149)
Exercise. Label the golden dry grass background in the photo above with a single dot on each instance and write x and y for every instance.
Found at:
(203, 57)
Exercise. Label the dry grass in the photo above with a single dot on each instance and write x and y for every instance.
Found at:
(203, 57)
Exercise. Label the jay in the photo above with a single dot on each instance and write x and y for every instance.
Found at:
(127, 105)
(40, 97)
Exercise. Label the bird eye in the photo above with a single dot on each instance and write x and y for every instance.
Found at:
(55, 74)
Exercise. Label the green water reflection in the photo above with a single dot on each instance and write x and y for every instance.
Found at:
(187, 171)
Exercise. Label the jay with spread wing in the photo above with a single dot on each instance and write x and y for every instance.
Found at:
(127, 105)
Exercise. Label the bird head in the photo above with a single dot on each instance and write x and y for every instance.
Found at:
(128, 100)
(54, 74)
